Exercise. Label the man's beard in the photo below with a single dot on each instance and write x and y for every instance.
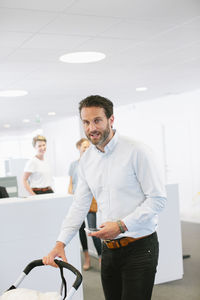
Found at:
(103, 138)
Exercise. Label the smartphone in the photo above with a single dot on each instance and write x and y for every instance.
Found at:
(94, 229)
(90, 230)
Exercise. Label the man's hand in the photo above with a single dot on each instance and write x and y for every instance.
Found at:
(109, 231)
(57, 251)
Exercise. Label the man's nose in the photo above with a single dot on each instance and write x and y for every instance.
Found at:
(92, 126)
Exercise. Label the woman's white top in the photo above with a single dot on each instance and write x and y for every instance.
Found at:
(41, 176)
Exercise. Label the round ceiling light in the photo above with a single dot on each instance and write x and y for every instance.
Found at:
(13, 93)
(6, 125)
(26, 121)
(82, 57)
(141, 89)
(51, 113)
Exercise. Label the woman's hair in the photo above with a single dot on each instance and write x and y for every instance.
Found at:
(97, 101)
(38, 138)
(79, 143)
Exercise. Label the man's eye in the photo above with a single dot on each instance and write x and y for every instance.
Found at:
(97, 121)
(85, 122)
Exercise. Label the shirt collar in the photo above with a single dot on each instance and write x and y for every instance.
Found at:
(111, 144)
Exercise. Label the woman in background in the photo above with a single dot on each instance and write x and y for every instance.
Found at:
(37, 178)
(82, 146)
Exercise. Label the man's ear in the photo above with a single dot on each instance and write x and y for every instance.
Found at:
(111, 120)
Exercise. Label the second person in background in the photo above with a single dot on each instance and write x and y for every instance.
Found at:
(82, 146)
(37, 177)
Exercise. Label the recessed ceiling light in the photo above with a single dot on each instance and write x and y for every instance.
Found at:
(6, 125)
(82, 57)
(141, 89)
(13, 93)
(26, 121)
(51, 113)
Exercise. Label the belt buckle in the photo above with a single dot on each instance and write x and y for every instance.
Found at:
(109, 244)
(124, 242)
(112, 244)
(106, 242)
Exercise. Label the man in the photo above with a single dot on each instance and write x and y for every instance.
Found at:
(126, 182)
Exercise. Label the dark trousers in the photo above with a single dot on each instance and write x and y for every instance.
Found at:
(91, 218)
(83, 238)
(128, 273)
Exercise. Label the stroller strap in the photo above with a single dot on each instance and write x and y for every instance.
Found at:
(64, 284)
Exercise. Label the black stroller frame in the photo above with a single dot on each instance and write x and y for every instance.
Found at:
(61, 264)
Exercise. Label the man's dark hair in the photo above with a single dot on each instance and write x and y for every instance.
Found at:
(97, 101)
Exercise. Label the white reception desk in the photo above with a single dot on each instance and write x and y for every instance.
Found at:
(170, 263)
(29, 227)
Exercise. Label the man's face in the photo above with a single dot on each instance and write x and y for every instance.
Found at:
(96, 125)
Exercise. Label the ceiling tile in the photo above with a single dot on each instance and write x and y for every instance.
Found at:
(179, 36)
(139, 31)
(13, 39)
(39, 55)
(79, 25)
(55, 41)
(172, 11)
(47, 5)
(23, 20)
(4, 52)
(109, 46)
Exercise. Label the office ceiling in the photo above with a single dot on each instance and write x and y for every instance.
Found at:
(150, 43)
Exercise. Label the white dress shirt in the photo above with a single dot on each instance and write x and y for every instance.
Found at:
(127, 183)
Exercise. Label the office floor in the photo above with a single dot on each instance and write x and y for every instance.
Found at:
(184, 289)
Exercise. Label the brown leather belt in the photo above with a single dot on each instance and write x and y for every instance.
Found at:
(42, 189)
(123, 242)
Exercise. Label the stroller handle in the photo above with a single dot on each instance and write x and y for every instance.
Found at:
(61, 264)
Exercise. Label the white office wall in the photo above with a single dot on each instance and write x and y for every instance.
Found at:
(18, 146)
(171, 126)
(61, 142)
(137, 123)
